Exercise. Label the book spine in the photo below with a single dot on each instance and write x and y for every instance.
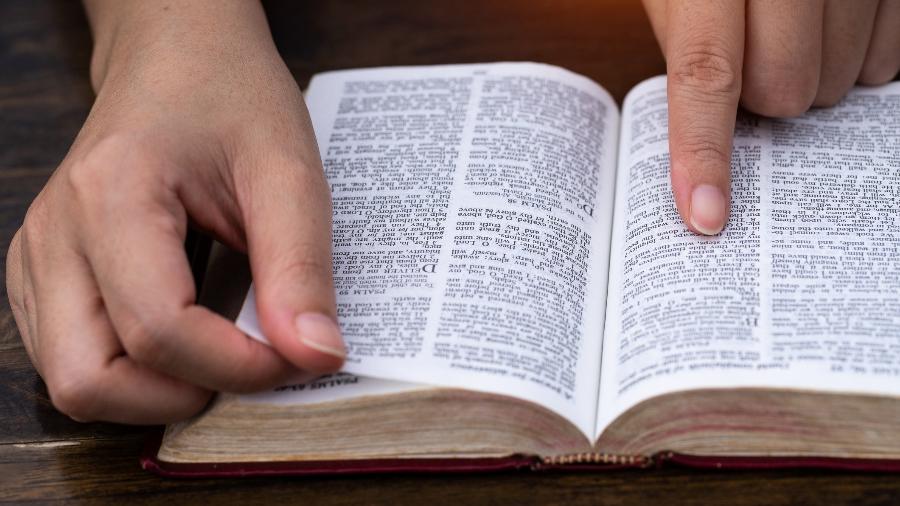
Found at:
(592, 459)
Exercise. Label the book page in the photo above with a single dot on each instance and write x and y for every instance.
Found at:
(472, 216)
(802, 288)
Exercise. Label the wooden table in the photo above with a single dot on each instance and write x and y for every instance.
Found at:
(44, 97)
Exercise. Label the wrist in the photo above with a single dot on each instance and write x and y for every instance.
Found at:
(130, 36)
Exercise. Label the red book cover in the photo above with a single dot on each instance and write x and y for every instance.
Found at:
(150, 462)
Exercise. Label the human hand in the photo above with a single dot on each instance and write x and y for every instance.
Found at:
(196, 120)
(776, 58)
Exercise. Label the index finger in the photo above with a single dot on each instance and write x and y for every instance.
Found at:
(141, 268)
(704, 55)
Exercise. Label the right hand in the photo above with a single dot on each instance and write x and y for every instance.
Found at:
(197, 120)
(776, 58)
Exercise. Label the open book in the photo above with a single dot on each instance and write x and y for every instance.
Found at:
(511, 268)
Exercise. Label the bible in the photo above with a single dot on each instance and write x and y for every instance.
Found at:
(516, 289)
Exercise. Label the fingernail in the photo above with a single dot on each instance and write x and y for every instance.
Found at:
(320, 333)
(708, 209)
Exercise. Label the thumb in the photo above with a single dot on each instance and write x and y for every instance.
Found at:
(704, 57)
(287, 221)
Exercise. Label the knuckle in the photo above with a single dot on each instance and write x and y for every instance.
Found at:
(86, 178)
(706, 68)
(77, 394)
(14, 271)
(304, 278)
(701, 148)
(778, 97)
(306, 267)
(309, 269)
(15, 248)
(32, 235)
(15, 286)
(108, 162)
(15, 243)
(81, 179)
(34, 230)
(36, 242)
(146, 343)
(19, 301)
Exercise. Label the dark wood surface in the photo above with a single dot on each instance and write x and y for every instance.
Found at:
(44, 97)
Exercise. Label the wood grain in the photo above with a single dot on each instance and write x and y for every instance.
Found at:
(45, 96)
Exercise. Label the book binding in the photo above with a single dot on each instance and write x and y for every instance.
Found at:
(150, 462)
